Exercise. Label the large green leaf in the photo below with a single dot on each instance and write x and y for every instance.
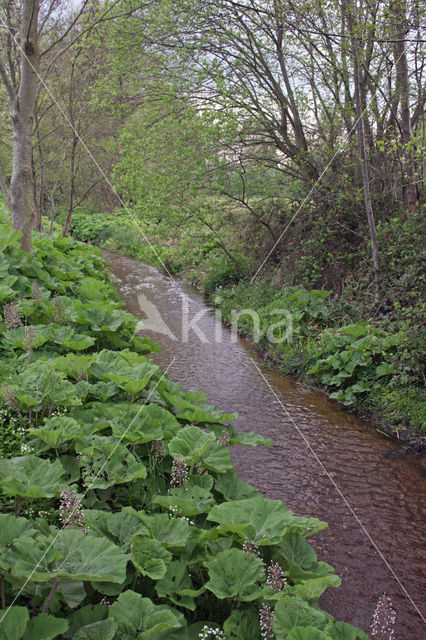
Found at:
(190, 443)
(56, 431)
(45, 627)
(248, 438)
(307, 633)
(292, 612)
(149, 556)
(187, 501)
(31, 477)
(312, 589)
(232, 488)
(12, 528)
(173, 583)
(236, 574)
(217, 459)
(260, 520)
(242, 624)
(70, 555)
(141, 428)
(158, 416)
(101, 630)
(296, 549)
(345, 631)
(13, 622)
(9, 237)
(172, 532)
(106, 463)
(139, 618)
(118, 527)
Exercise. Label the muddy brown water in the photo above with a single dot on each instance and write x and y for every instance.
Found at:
(385, 488)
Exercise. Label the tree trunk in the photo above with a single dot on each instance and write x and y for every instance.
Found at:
(21, 186)
(363, 153)
(409, 189)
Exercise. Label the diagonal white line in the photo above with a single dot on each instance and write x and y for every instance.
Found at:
(85, 493)
(90, 154)
(339, 491)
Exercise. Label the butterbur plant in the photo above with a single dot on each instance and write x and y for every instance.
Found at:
(12, 316)
(384, 618)
(250, 547)
(161, 548)
(224, 439)
(157, 450)
(36, 294)
(180, 472)
(30, 340)
(70, 513)
(266, 617)
(59, 313)
(275, 579)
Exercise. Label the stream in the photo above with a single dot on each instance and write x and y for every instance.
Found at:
(323, 462)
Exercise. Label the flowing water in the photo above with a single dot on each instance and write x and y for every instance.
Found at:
(323, 462)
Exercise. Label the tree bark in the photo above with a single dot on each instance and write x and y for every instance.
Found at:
(21, 186)
(363, 153)
(403, 89)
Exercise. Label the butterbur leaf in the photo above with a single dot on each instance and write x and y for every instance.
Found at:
(311, 590)
(217, 459)
(236, 574)
(292, 612)
(200, 416)
(249, 439)
(186, 501)
(24, 558)
(13, 622)
(56, 431)
(149, 556)
(139, 430)
(31, 477)
(172, 532)
(12, 528)
(242, 625)
(139, 618)
(106, 362)
(345, 631)
(89, 558)
(190, 443)
(110, 464)
(172, 584)
(101, 630)
(384, 369)
(232, 488)
(73, 592)
(84, 617)
(296, 549)
(72, 365)
(307, 633)
(260, 520)
(104, 390)
(79, 342)
(157, 416)
(45, 627)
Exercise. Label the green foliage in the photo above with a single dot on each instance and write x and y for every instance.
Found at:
(224, 273)
(352, 360)
(92, 512)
